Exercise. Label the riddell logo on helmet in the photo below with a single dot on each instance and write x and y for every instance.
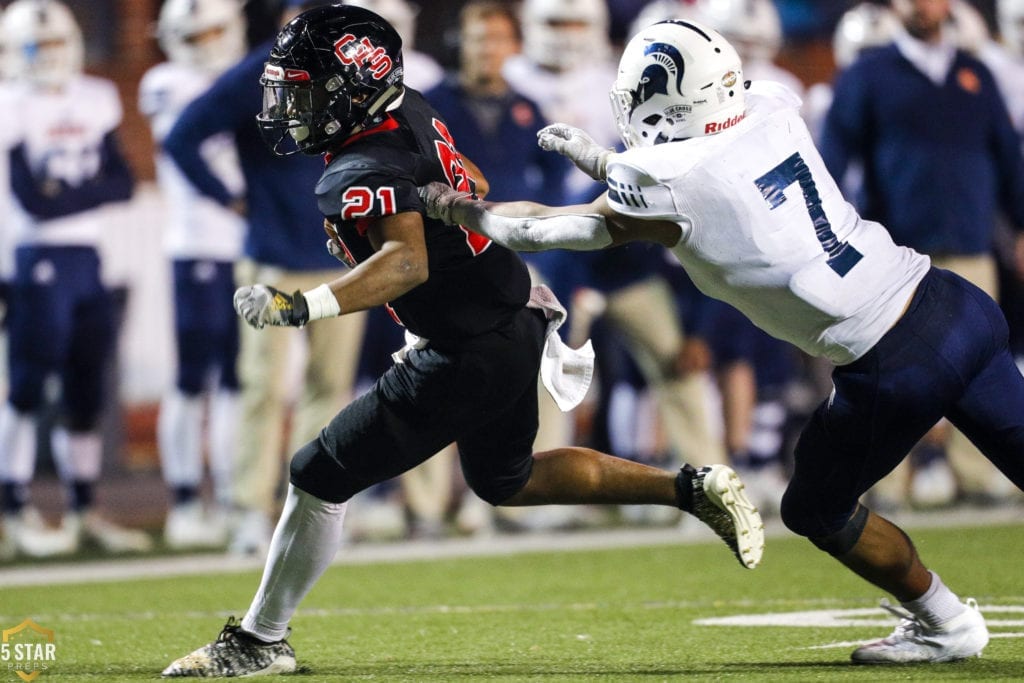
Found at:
(719, 126)
(350, 50)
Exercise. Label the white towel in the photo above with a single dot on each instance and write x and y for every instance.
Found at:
(566, 372)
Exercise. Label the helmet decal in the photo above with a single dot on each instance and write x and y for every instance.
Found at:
(666, 62)
(350, 51)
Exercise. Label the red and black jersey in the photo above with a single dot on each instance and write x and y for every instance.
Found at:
(475, 285)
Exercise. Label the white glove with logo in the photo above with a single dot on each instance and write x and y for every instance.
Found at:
(261, 305)
(439, 201)
(579, 147)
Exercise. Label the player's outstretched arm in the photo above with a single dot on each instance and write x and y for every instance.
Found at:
(529, 226)
(521, 226)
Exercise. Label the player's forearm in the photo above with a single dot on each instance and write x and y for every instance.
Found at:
(385, 276)
(528, 226)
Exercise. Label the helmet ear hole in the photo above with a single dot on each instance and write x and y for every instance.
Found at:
(653, 119)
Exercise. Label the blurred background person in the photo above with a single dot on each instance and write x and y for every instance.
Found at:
(203, 239)
(937, 181)
(65, 168)
(312, 368)
(496, 127)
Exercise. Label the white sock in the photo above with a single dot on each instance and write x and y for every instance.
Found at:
(78, 455)
(17, 445)
(937, 606)
(179, 435)
(223, 443)
(307, 538)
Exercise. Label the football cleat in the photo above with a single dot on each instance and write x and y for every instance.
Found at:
(914, 642)
(29, 535)
(720, 502)
(111, 537)
(234, 654)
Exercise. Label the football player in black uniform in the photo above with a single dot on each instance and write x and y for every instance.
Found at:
(333, 86)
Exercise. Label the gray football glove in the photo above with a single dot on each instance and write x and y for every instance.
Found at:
(577, 146)
(261, 305)
(439, 199)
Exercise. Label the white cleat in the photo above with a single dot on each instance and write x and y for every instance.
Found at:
(29, 535)
(111, 537)
(720, 502)
(914, 642)
(189, 526)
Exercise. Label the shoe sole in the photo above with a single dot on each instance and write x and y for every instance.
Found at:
(723, 487)
(281, 665)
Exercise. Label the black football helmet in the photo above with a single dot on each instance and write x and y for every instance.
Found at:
(333, 71)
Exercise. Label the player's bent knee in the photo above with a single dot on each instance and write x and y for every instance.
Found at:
(841, 542)
(314, 472)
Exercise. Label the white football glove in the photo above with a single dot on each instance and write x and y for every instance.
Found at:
(579, 147)
(261, 305)
(439, 200)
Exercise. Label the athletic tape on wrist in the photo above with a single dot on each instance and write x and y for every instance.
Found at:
(322, 303)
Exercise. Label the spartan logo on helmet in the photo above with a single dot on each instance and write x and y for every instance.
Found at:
(666, 63)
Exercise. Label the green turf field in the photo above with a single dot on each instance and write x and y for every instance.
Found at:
(618, 615)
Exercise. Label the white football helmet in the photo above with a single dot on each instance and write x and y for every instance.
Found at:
(43, 42)
(399, 13)
(204, 34)
(863, 26)
(1011, 25)
(752, 26)
(677, 80)
(563, 34)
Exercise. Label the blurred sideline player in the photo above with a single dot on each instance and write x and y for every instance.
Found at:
(203, 239)
(66, 167)
(730, 180)
(290, 378)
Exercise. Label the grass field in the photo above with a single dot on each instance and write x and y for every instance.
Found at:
(627, 614)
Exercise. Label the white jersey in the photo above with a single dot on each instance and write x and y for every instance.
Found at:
(766, 230)
(63, 132)
(197, 226)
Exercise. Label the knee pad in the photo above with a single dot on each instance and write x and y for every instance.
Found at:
(314, 471)
(841, 542)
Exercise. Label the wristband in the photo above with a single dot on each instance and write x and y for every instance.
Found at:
(321, 303)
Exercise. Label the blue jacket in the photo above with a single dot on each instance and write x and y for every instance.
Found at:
(285, 225)
(939, 161)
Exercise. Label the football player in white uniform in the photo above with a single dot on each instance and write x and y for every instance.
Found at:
(203, 240)
(65, 169)
(731, 182)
